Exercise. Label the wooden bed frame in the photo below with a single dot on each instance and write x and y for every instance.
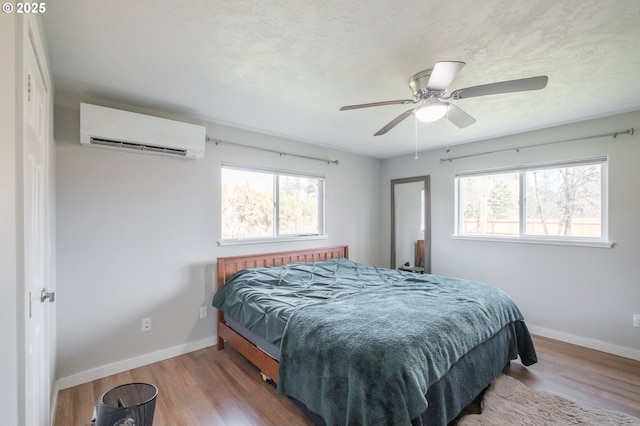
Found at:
(227, 266)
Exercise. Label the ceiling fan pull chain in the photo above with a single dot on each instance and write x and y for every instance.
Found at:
(448, 131)
(415, 121)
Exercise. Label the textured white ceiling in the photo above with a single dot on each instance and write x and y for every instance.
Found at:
(284, 67)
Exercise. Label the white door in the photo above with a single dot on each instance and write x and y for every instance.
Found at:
(36, 236)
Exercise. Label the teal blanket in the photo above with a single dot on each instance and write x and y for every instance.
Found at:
(361, 345)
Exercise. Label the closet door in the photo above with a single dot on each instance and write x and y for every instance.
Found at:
(37, 244)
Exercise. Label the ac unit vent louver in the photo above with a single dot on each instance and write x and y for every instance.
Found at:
(122, 130)
(139, 147)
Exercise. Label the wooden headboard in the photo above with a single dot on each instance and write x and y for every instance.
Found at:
(227, 266)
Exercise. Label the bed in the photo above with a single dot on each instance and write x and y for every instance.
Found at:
(356, 344)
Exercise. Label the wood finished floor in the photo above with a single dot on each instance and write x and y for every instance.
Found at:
(210, 387)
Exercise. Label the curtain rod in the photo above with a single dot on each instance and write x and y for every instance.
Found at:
(630, 131)
(306, 157)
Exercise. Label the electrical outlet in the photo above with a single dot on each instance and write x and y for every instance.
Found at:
(636, 320)
(203, 312)
(146, 324)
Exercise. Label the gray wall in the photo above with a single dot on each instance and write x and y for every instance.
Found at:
(582, 295)
(136, 237)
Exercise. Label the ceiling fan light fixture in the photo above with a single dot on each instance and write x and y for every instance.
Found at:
(432, 112)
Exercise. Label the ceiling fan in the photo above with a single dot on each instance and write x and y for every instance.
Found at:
(429, 88)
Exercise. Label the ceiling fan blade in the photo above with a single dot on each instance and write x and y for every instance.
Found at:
(393, 123)
(459, 117)
(373, 104)
(521, 85)
(443, 74)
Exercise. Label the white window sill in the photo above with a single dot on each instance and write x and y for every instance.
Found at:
(531, 240)
(241, 241)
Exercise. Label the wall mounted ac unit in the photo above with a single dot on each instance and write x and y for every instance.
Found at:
(122, 130)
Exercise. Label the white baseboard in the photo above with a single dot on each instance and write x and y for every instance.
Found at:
(128, 364)
(586, 342)
(131, 363)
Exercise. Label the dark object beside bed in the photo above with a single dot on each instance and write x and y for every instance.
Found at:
(366, 345)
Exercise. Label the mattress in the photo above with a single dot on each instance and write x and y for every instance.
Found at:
(269, 348)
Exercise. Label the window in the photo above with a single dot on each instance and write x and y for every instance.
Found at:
(268, 204)
(561, 201)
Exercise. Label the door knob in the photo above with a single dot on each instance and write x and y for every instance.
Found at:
(44, 296)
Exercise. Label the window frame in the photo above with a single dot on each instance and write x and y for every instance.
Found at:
(276, 236)
(523, 237)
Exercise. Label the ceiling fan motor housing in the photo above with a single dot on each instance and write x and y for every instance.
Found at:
(418, 83)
